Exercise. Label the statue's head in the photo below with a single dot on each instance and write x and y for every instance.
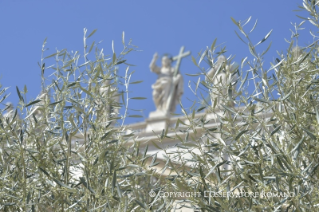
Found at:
(220, 60)
(166, 62)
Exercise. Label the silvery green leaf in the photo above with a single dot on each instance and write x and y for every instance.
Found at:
(182, 146)
(230, 91)
(213, 129)
(240, 134)
(242, 152)
(3, 90)
(135, 116)
(86, 63)
(243, 82)
(140, 203)
(186, 137)
(247, 21)
(279, 63)
(234, 21)
(252, 50)
(229, 109)
(205, 84)
(307, 168)
(303, 59)
(194, 60)
(298, 145)
(254, 26)
(33, 102)
(138, 98)
(202, 56)
(158, 147)
(9, 203)
(200, 109)
(140, 174)
(113, 48)
(269, 178)
(92, 33)
(260, 100)
(114, 58)
(15, 114)
(286, 96)
(243, 62)
(136, 82)
(189, 144)
(123, 38)
(213, 168)
(311, 135)
(264, 52)
(82, 180)
(222, 141)
(275, 130)
(92, 45)
(317, 114)
(19, 94)
(30, 114)
(194, 75)
(197, 84)
(240, 38)
(213, 44)
(264, 39)
(112, 141)
(120, 62)
(52, 55)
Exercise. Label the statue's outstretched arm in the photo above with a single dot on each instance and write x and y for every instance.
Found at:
(154, 68)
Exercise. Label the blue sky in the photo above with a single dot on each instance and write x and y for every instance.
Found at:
(154, 26)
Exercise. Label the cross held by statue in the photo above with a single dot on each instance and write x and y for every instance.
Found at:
(178, 59)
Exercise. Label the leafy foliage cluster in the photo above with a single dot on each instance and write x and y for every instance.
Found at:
(65, 151)
(265, 145)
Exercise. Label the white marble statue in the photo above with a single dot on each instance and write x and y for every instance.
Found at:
(221, 82)
(165, 83)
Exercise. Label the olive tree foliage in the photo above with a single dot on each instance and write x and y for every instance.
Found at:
(66, 150)
(264, 149)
